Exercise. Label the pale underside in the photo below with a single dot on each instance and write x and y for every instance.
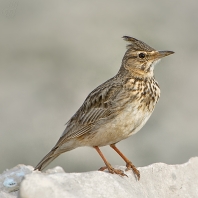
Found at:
(113, 131)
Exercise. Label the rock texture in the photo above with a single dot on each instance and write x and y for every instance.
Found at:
(157, 180)
(10, 180)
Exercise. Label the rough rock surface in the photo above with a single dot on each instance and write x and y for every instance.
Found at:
(10, 180)
(157, 180)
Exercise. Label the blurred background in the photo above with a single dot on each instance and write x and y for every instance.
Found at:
(53, 53)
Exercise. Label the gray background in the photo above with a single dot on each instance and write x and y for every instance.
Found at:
(53, 53)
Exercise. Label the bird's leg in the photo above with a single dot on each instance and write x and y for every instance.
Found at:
(108, 165)
(129, 164)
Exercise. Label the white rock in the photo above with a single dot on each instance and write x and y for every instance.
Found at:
(157, 180)
(10, 180)
(6, 195)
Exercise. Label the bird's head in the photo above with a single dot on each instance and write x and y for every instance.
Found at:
(140, 58)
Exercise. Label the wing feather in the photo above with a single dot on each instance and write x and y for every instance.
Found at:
(100, 104)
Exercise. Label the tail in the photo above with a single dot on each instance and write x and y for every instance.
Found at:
(47, 160)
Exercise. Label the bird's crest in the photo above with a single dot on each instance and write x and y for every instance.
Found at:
(137, 45)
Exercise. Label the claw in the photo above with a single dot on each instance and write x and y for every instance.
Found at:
(102, 168)
(136, 172)
(113, 170)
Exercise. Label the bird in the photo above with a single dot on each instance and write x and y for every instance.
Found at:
(116, 109)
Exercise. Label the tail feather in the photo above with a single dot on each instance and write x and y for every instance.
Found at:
(46, 160)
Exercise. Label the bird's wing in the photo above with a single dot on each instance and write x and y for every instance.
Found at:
(104, 102)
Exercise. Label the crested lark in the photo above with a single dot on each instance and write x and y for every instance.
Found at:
(116, 109)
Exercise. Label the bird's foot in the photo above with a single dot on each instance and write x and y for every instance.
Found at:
(113, 170)
(136, 172)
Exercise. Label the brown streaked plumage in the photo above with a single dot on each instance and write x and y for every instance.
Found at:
(116, 109)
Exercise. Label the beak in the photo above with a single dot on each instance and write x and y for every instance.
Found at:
(162, 54)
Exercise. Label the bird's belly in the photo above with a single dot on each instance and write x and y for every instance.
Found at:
(128, 122)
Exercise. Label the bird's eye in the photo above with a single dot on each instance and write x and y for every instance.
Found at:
(141, 55)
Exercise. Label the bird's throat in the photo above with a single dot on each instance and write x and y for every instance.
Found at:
(140, 73)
